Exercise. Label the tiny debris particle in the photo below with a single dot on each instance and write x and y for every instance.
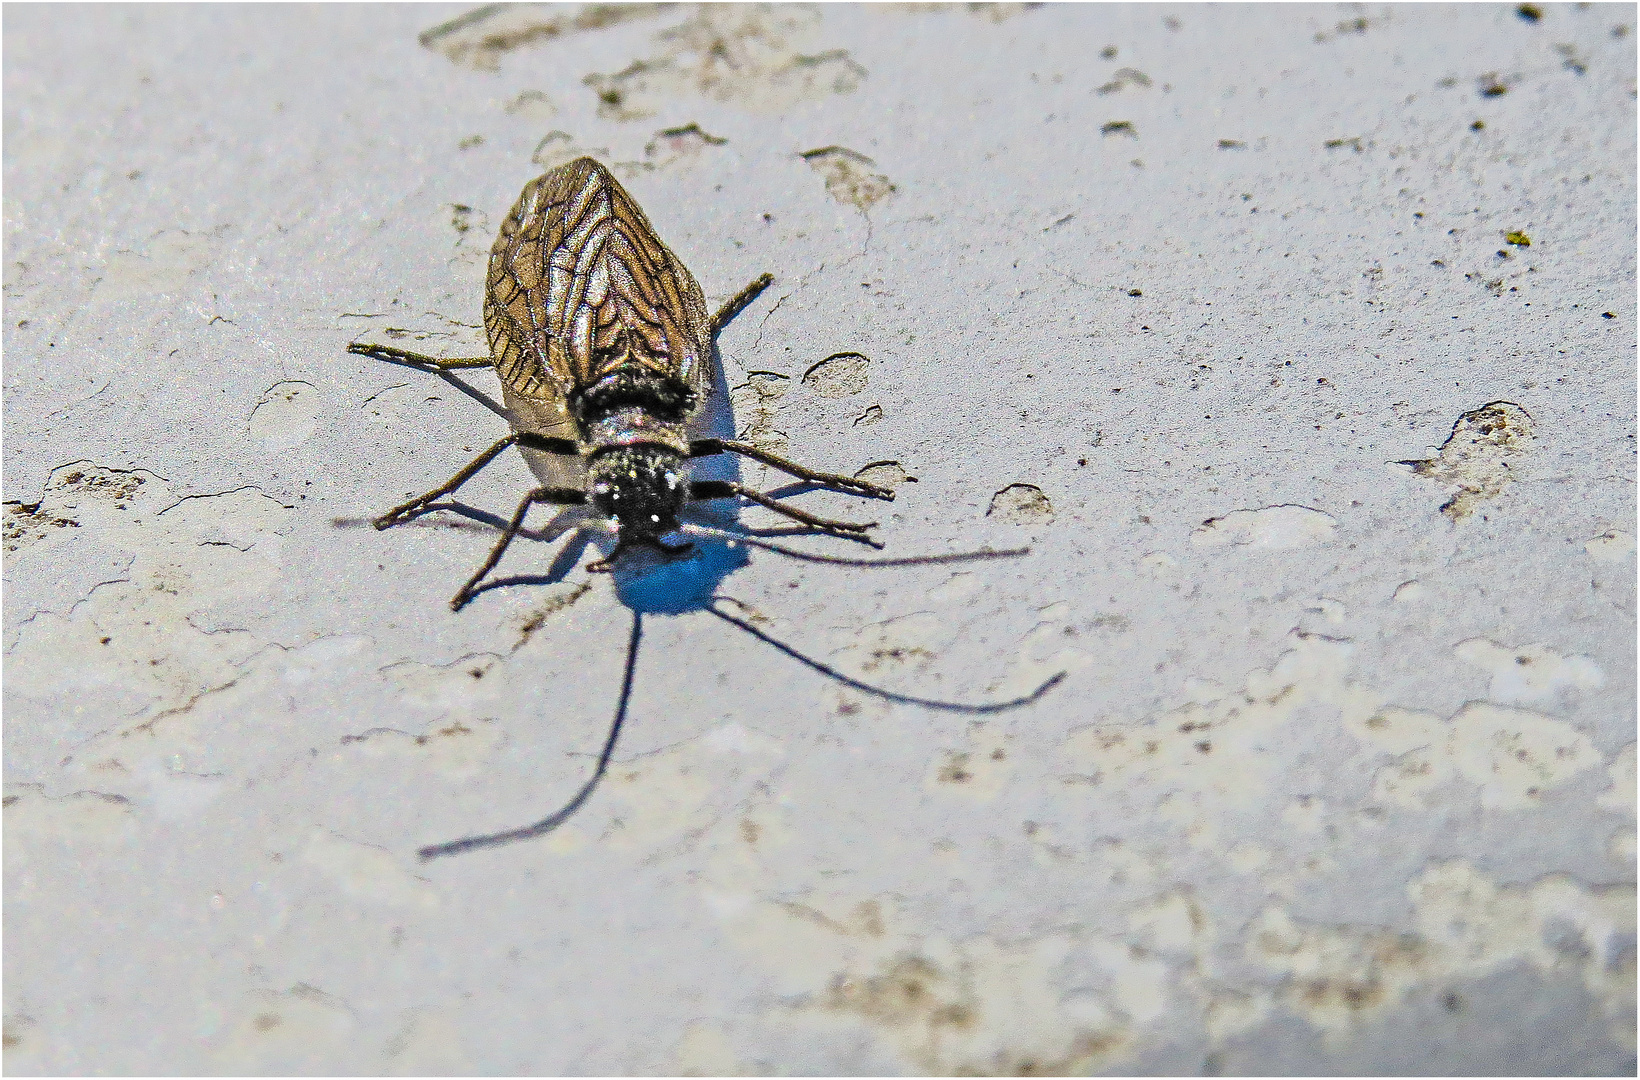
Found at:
(1119, 127)
(1492, 86)
(1135, 292)
(1518, 238)
(1479, 125)
(1231, 144)
(1108, 52)
(1607, 315)
(1529, 12)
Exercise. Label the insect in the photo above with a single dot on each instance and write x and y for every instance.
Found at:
(604, 348)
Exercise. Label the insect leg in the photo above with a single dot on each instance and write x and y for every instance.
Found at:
(411, 509)
(530, 439)
(400, 356)
(706, 447)
(728, 489)
(736, 303)
(560, 496)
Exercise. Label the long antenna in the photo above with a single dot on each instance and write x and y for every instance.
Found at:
(877, 691)
(558, 817)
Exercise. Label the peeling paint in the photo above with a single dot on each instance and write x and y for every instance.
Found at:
(287, 415)
(950, 1007)
(979, 771)
(146, 642)
(1485, 452)
(1466, 926)
(302, 1030)
(366, 873)
(1529, 674)
(1513, 756)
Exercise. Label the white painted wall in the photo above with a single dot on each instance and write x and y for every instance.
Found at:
(1338, 780)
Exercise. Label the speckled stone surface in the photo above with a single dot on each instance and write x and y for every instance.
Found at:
(1297, 342)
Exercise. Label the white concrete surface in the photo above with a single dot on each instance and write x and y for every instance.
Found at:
(1339, 780)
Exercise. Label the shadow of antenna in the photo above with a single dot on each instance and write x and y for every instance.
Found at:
(878, 691)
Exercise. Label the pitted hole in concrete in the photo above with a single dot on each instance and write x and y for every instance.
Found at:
(872, 414)
(1273, 527)
(171, 260)
(674, 144)
(992, 12)
(26, 524)
(888, 474)
(110, 485)
(532, 105)
(558, 147)
(287, 415)
(1483, 453)
(81, 817)
(1611, 546)
(849, 176)
(1123, 78)
(79, 494)
(755, 403)
(745, 54)
(838, 375)
(1021, 504)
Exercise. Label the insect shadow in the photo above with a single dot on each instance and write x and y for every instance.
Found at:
(612, 389)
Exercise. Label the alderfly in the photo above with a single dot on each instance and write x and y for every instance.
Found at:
(604, 348)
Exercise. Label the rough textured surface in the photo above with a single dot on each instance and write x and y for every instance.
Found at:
(1298, 342)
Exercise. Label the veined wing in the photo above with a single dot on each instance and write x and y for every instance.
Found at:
(579, 284)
